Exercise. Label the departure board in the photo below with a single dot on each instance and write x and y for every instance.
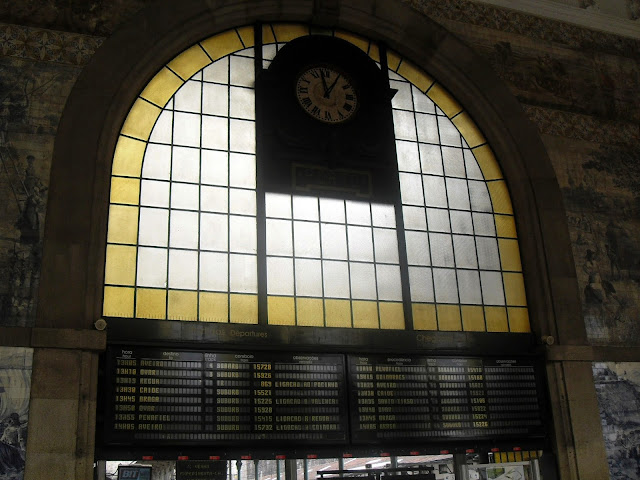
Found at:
(225, 398)
(404, 399)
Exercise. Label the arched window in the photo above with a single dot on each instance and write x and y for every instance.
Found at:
(183, 231)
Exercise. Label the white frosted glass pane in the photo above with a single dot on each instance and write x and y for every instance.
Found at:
(183, 229)
(422, 102)
(431, 159)
(243, 136)
(453, 162)
(306, 239)
(278, 205)
(469, 287)
(438, 220)
(434, 191)
(492, 292)
(242, 170)
(154, 227)
(449, 134)
(186, 129)
(388, 277)
(214, 271)
(334, 241)
(279, 237)
(243, 103)
(360, 243)
(484, 224)
(197, 76)
(305, 208)
(215, 167)
(214, 199)
(215, 99)
(332, 210)
(386, 245)
(242, 202)
(465, 250)
(464, 143)
(480, 199)
(427, 128)
(421, 283)
(269, 51)
(214, 232)
(242, 234)
(242, 71)
(185, 166)
(157, 162)
(279, 276)
(243, 273)
(308, 278)
(363, 281)
(461, 222)
(214, 133)
(163, 129)
(417, 248)
(441, 250)
(154, 194)
(336, 279)
(187, 98)
(458, 193)
(183, 268)
(402, 98)
(152, 267)
(414, 218)
(383, 215)
(404, 125)
(408, 159)
(438, 111)
(488, 257)
(394, 76)
(411, 189)
(358, 213)
(445, 285)
(184, 196)
(218, 71)
(473, 169)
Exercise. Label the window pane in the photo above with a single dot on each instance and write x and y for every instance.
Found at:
(242, 135)
(279, 237)
(469, 284)
(185, 165)
(163, 129)
(438, 220)
(183, 268)
(242, 103)
(386, 245)
(411, 189)
(187, 98)
(186, 129)
(483, 224)
(184, 196)
(488, 257)
(242, 170)
(480, 200)
(154, 194)
(218, 71)
(445, 285)
(383, 215)
(242, 202)
(278, 205)
(183, 229)
(360, 243)
(214, 167)
(407, 154)
(213, 232)
(417, 248)
(305, 208)
(215, 133)
(492, 292)
(422, 102)
(154, 227)
(157, 162)
(471, 164)
(421, 283)
(431, 159)
(389, 285)
(332, 210)
(214, 199)
(214, 271)
(402, 98)
(358, 213)
(215, 99)
(441, 250)
(243, 274)
(461, 222)
(242, 234)
(453, 162)
(334, 241)
(279, 276)
(363, 281)
(414, 218)
(427, 128)
(308, 278)
(435, 193)
(152, 267)
(306, 239)
(336, 279)
(449, 134)
(242, 72)
(465, 250)
(458, 194)
(404, 125)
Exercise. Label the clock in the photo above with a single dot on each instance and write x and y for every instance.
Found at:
(327, 94)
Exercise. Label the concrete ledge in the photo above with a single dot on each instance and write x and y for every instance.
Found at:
(64, 338)
(586, 353)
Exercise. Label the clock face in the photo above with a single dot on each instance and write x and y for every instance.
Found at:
(326, 94)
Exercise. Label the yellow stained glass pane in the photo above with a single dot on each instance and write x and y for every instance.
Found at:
(511, 457)
(488, 163)
(360, 42)
(391, 315)
(118, 302)
(374, 52)
(244, 309)
(424, 316)
(510, 255)
(444, 100)
(415, 75)
(267, 35)
(127, 159)
(518, 456)
(141, 119)
(338, 313)
(151, 303)
(393, 60)
(473, 318)
(496, 319)
(285, 32)
(214, 307)
(193, 59)
(365, 314)
(247, 36)
(500, 197)
(282, 310)
(120, 265)
(183, 305)
(310, 312)
(505, 226)
(222, 44)
(514, 289)
(162, 87)
(125, 190)
(469, 130)
(449, 318)
(123, 224)
(519, 320)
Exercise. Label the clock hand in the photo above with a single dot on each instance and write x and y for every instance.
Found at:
(324, 84)
(328, 92)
